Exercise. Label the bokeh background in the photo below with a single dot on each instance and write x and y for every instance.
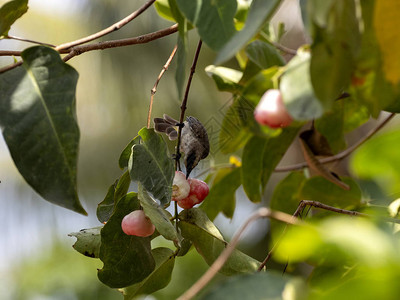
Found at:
(36, 257)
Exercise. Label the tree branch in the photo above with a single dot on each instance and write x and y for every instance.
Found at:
(154, 89)
(108, 30)
(316, 204)
(28, 40)
(77, 50)
(223, 257)
(185, 98)
(10, 53)
(342, 154)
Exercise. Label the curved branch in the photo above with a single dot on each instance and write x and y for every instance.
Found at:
(77, 50)
(142, 39)
(342, 154)
(223, 257)
(108, 30)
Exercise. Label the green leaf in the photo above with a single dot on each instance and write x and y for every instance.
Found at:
(9, 13)
(127, 259)
(209, 243)
(127, 152)
(368, 81)
(158, 279)
(378, 159)
(333, 134)
(319, 189)
(274, 150)
(265, 286)
(259, 159)
(252, 168)
(157, 215)
(336, 43)
(213, 19)
(151, 165)
(297, 91)
(38, 120)
(286, 198)
(264, 55)
(260, 12)
(164, 10)
(226, 79)
(88, 241)
(222, 193)
(116, 191)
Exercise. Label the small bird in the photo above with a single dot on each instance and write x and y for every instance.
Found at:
(194, 138)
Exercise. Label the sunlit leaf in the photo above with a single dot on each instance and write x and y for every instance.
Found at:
(38, 120)
(297, 91)
(9, 13)
(127, 259)
(386, 23)
(209, 243)
(260, 12)
(88, 241)
(157, 215)
(222, 194)
(158, 279)
(226, 79)
(151, 165)
(266, 286)
(164, 10)
(368, 81)
(213, 19)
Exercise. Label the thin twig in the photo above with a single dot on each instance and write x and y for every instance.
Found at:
(154, 89)
(10, 53)
(77, 50)
(109, 29)
(316, 204)
(342, 154)
(185, 98)
(223, 257)
(28, 41)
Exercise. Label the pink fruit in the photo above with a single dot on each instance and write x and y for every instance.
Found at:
(137, 223)
(271, 111)
(180, 186)
(198, 192)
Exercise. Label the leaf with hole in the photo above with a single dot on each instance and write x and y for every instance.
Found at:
(88, 241)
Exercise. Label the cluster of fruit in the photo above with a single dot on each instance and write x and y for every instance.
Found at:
(187, 193)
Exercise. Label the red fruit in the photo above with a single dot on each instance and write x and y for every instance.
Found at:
(271, 111)
(137, 223)
(186, 203)
(180, 187)
(198, 192)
